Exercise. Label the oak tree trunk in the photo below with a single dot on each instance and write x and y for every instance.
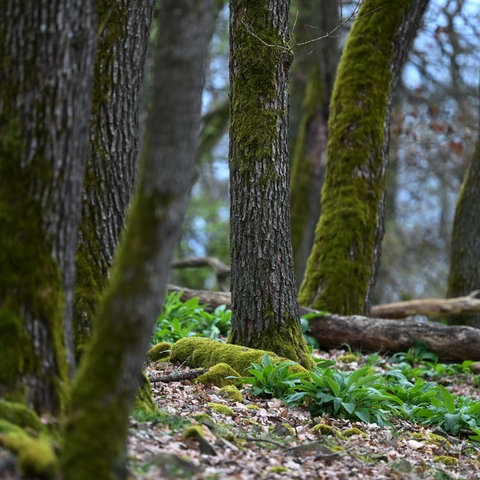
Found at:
(124, 32)
(265, 308)
(96, 433)
(464, 273)
(46, 68)
(342, 266)
(315, 61)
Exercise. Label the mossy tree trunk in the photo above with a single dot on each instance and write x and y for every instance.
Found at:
(46, 70)
(124, 30)
(96, 432)
(464, 276)
(264, 301)
(342, 266)
(317, 62)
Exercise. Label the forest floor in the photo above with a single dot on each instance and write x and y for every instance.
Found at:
(259, 438)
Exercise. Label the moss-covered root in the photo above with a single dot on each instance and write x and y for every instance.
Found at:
(199, 352)
(144, 399)
(35, 454)
(219, 375)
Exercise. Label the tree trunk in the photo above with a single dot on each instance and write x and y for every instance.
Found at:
(46, 70)
(342, 266)
(113, 154)
(464, 259)
(95, 446)
(317, 61)
(265, 307)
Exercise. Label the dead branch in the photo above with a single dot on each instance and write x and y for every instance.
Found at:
(222, 271)
(429, 307)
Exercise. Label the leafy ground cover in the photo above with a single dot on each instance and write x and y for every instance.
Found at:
(406, 416)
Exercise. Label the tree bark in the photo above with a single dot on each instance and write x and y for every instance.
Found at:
(342, 266)
(464, 273)
(46, 69)
(113, 150)
(265, 306)
(95, 446)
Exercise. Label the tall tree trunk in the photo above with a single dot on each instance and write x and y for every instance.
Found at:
(46, 69)
(464, 274)
(95, 446)
(264, 302)
(342, 266)
(114, 149)
(318, 62)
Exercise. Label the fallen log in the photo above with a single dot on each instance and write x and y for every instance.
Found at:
(449, 343)
(429, 307)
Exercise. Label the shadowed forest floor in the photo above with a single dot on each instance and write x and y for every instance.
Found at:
(260, 438)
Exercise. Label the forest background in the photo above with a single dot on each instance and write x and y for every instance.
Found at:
(433, 136)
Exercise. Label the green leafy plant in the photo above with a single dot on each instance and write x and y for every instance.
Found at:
(356, 394)
(273, 379)
(185, 319)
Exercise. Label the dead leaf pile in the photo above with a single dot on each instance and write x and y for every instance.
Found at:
(260, 438)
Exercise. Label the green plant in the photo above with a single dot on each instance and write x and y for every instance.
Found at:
(273, 379)
(185, 319)
(356, 394)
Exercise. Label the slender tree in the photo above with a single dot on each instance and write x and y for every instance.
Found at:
(124, 32)
(46, 68)
(317, 63)
(464, 275)
(264, 301)
(342, 266)
(95, 436)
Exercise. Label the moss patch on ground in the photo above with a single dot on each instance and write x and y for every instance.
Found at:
(198, 352)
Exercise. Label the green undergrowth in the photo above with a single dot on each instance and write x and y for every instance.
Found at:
(409, 385)
(180, 319)
(402, 389)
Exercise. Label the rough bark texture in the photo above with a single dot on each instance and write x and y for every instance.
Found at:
(110, 372)
(47, 51)
(464, 273)
(124, 30)
(342, 266)
(265, 306)
(379, 335)
(317, 62)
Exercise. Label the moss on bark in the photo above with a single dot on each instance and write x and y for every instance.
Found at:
(200, 352)
(342, 265)
(31, 289)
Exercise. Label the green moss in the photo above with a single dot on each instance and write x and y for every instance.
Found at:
(144, 398)
(348, 358)
(342, 261)
(446, 459)
(278, 469)
(217, 375)
(253, 123)
(31, 288)
(220, 408)
(36, 456)
(205, 419)
(349, 432)
(20, 415)
(283, 430)
(194, 431)
(159, 352)
(432, 438)
(231, 392)
(199, 352)
(323, 429)
(285, 339)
